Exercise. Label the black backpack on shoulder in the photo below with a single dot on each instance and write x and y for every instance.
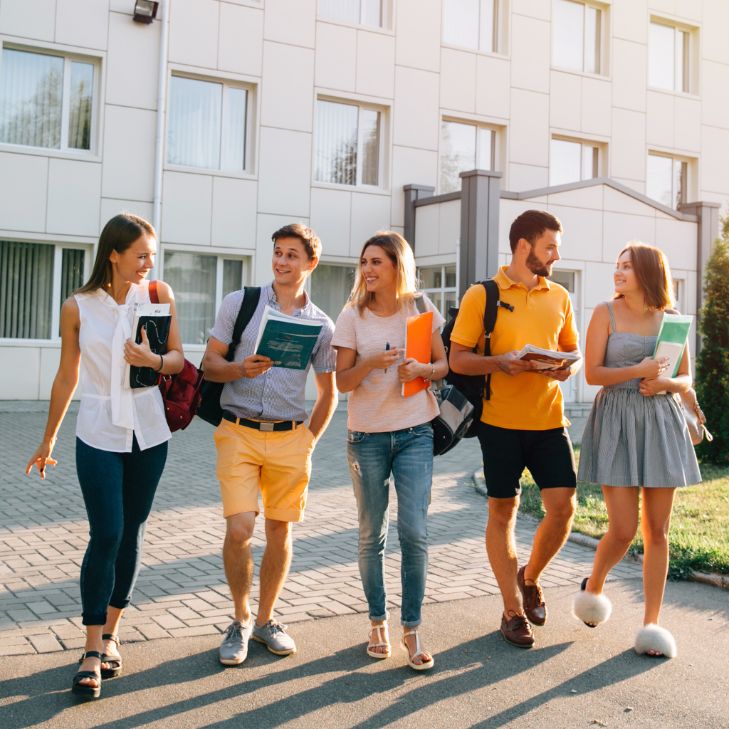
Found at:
(476, 388)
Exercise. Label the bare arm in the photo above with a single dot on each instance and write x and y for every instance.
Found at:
(326, 403)
(595, 347)
(350, 372)
(436, 369)
(680, 383)
(64, 385)
(218, 369)
(467, 362)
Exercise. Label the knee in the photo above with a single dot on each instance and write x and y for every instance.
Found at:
(105, 541)
(563, 512)
(239, 533)
(278, 532)
(412, 537)
(656, 535)
(623, 534)
(502, 513)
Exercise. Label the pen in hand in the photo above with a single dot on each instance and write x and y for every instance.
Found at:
(387, 349)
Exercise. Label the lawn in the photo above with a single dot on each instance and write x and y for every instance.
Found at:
(699, 527)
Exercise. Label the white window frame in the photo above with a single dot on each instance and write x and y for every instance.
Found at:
(687, 175)
(585, 144)
(500, 12)
(56, 301)
(385, 17)
(495, 141)
(679, 292)
(602, 40)
(688, 61)
(220, 255)
(441, 290)
(249, 145)
(96, 101)
(382, 147)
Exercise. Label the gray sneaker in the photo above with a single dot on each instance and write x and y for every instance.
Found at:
(234, 648)
(275, 637)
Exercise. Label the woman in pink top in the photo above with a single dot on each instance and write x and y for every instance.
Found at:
(121, 433)
(389, 435)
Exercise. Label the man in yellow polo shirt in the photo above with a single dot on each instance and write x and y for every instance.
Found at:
(523, 422)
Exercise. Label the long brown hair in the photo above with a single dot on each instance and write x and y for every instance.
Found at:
(118, 235)
(653, 274)
(398, 250)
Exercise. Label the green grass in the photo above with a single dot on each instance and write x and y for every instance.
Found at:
(699, 526)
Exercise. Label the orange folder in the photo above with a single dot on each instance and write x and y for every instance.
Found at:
(418, 341)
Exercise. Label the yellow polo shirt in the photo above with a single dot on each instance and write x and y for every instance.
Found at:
(543, 317)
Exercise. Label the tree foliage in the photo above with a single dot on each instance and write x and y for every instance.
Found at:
(712, 363)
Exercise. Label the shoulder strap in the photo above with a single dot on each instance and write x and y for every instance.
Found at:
(489, 322)
(611, 311)
(420, 303)
(153, 295)
(251, 296)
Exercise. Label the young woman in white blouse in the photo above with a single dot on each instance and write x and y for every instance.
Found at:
(121, 434)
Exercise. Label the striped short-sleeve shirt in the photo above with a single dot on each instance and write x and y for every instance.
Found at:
(278, 394)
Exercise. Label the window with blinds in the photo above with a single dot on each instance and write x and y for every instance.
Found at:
(47, 100)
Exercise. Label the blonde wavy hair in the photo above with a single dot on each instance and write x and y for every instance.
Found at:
(398, 250)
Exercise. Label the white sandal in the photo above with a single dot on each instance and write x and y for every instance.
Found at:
(654, 638)
(590, 608)
(425, 665)
(384, 642)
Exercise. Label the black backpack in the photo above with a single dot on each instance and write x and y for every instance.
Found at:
(476, 388)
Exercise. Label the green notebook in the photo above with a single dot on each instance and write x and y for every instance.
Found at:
(287, 340)
(672, 338)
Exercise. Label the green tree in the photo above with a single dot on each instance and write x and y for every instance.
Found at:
(712, 363)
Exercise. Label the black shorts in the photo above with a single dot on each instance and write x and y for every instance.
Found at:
(546, 453)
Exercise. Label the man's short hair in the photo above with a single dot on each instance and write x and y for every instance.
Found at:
(309, 239)
(530, 225)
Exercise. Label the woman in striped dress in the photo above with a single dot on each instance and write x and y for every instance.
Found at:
(636, 440)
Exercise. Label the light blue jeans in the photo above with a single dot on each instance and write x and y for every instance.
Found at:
(408, 455)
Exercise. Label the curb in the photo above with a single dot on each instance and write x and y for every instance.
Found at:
(713, 580)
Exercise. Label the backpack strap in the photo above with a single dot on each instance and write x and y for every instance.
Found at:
(251, 296)
(420, 303)
(489, 322)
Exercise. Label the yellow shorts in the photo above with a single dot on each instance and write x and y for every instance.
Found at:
(278, 464)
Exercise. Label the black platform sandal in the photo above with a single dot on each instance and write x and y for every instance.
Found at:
(83, 690)
(115, 662)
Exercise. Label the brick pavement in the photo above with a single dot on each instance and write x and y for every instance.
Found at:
(181, 589)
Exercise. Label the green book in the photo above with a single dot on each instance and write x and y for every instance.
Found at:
(287, 340)
(672, 338)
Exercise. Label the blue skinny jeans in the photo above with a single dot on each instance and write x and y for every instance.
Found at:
(408, 455)
(118, 490)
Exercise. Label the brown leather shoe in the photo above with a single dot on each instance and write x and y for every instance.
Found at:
(533, 600)
(517, 631)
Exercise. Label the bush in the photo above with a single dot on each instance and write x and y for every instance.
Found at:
(712, 363)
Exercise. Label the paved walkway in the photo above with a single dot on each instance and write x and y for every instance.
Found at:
(181, 590)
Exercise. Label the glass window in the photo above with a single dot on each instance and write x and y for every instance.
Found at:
(207, 124)
(357, 12)
(46, 100)
(439, 282)
(29, 294)
(571, 161)
(576, 36)
(347, 144)
(330, 287)
(200, 282)
(667, 180)
(668, 58)
(471, 24)
(464, 147)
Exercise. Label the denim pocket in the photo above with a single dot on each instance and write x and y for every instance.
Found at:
(425, 429)
(355, 436)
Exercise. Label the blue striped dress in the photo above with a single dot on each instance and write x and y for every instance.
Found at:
(630, 439)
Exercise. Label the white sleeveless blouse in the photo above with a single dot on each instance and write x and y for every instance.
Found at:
(110, 412)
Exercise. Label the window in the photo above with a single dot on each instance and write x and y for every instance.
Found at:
(667, 180)
(46, 100)
(348, 144)
(357, 12)
(330, 287)
(200, 282)
(668, 58)
(572, 161)
(679, 287)
(439, 282)
(464, 147)
(207, 124)
(577, 36)
(35, 279)
(471, 24)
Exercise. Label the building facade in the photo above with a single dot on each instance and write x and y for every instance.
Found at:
(224, 119)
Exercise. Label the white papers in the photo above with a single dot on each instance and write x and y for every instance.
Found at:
(548, 359)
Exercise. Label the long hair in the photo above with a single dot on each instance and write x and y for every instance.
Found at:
(118, 234)
(398, 250)
(653, 274)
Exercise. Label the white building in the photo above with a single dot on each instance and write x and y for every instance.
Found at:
(276, 111)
